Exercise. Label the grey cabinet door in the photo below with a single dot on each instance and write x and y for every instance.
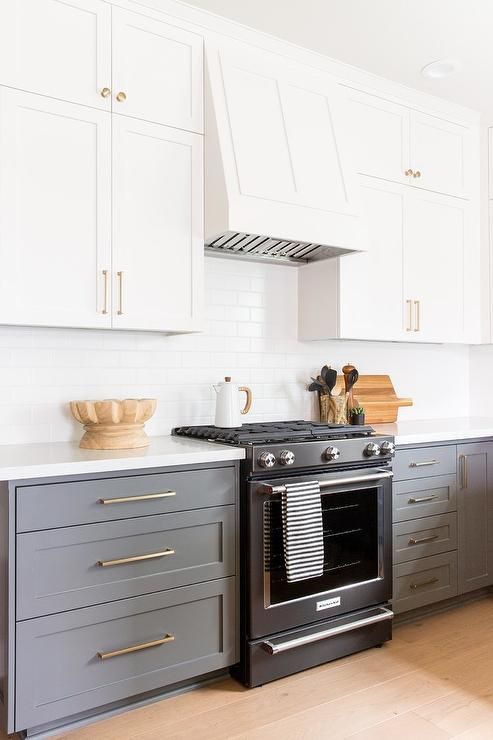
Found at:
(475, 515)
(73, 567)
(422, 462)
(414, 499)
(419, 538)
(51, 505)
(71, 662)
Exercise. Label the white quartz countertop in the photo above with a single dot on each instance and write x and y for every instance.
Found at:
(66, 458)
(437, 430)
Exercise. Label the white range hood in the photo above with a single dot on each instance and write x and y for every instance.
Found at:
(279, 185)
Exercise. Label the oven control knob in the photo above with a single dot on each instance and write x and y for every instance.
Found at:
(286, 457)
(387, 448)
(267, 460)
(332, 453)
(372, 449)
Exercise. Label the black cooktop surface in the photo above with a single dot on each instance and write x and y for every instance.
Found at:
(276, 431)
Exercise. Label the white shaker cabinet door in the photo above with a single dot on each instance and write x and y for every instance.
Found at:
(379, 132)
(371, 283)
(60, 48)
(442, 155)
(435, 232)
(157, 71)
(55, 219)
(158, 240)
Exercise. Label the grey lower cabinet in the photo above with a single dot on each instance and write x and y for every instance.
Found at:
(475, 513)
(442, 522)
(117, 587)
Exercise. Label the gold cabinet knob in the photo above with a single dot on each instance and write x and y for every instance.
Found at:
(121, 97)
(408, 173)
(105, 92)
(417, 173)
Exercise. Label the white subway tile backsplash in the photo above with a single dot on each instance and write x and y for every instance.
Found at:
(250, 335)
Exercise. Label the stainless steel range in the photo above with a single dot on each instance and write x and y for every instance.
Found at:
(289, 624)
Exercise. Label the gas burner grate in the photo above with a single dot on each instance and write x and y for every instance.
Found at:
(282, 431)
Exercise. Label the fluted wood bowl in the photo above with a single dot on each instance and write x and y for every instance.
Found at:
(114, 424)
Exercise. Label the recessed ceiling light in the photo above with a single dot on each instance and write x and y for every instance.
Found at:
(440, 68)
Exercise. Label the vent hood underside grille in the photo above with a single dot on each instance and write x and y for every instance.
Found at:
(269, 249)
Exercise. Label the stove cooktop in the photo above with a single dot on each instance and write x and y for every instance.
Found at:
(276, 431)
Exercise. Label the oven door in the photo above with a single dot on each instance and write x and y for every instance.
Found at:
(357, 516)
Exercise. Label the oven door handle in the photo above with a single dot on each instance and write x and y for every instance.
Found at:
(273, 648)
(377, 475)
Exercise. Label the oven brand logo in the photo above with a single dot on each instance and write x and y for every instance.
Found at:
(328, 603)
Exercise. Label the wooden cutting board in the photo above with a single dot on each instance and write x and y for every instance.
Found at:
(377, 396)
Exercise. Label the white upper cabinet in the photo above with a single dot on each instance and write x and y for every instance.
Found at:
(371, 283)
(396, 143)
(157, 227)
(60, 48)
(55, 218)
(157, 71)
(441, 155)
(282, 148)
(418, 281)
(380, 136)
(436, 233)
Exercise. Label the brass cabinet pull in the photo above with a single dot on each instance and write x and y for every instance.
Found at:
(422, 499)
(409, 305)
(105, 304)
(105, 92)
(424, 464)
(121, 97)
(429, 582)
(417, 173)
(417, 317)
(408, 173)
(135, 648)
(120, 292)
(136, 558)
(413, 541)
(463, 471)
(145, 497)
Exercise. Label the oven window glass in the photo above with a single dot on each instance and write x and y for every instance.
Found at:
(351, 546)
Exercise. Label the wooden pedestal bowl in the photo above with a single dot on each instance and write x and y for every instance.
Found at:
(114, 424)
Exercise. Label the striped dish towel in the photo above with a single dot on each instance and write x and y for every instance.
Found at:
(302, 531)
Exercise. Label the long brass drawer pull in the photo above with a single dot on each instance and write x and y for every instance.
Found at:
(105, 301)
(429, 582)
(145, 497)
(423, 464)
(463, 471)
(413, 541)
(422, 499)
(119, 275)
(136, 558)
(135, 648)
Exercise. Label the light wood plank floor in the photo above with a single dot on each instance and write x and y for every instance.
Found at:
(434, 680)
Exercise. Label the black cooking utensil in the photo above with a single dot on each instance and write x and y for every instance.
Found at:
(330, 378)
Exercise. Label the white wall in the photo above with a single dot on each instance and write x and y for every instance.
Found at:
(250, 335)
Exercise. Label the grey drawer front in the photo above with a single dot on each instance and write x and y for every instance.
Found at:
(422, 462)
(58, 569)
(420, 538)
(63, 504)
(413, 499)
(424, 581)
(59, 672)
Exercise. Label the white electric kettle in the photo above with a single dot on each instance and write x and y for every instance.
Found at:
(228, 412)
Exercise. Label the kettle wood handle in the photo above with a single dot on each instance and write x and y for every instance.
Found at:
(249, 399)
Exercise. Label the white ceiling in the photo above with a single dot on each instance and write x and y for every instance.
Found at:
(392, 38)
